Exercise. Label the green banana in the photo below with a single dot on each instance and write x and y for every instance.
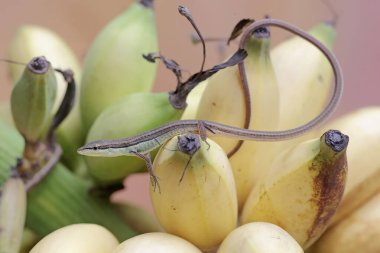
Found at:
(11, 148)
(130, 116)
(29, 41)
(303, 188)
(32, 99)
(114, 66)
(219, 103)
(62, 198)
(29, 239)
(13, 212)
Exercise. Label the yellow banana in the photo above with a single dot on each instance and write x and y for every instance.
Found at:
(130, 116)
(259, 237)
(30, 41)
(156, 242)
(193, 101)
(362, 156)
(222, 101)
(114, 66)
(196, 198)
(77, 238)
(303, 188)
(304, 77)
(12, 214)
(358, 232)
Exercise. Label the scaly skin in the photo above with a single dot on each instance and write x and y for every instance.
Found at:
(302, 190)
(202, 208)
(114, 66)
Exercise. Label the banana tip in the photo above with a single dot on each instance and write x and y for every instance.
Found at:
(336, 140)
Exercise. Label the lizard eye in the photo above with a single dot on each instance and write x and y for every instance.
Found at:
(95, 148)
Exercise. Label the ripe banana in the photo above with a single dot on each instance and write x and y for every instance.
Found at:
(304, 77)
(77, 238)
(156, 242)
(358, 232)
(362, 156)
(12, 214)
(259, 237)
(114, 66)
(222, 102)
(196, 197)
(130, 116)
(32, 99)
(303, 188)
(31, 40)
(193, 101)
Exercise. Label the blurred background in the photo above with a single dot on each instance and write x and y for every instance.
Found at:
(77, 22)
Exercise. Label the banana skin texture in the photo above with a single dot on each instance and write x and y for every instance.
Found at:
(302, 189)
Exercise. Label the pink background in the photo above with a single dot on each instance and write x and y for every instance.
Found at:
(358, 39)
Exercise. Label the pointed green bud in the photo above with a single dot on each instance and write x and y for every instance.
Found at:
(33, 98)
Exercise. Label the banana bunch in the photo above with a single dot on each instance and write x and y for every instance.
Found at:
(114, 66)
(196, 195)
(302, 189)
(219, 103)
(353, 228)
(13, 212)
(29, 41)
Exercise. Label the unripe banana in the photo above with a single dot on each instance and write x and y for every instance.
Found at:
(77, 238)
(156, 242)
(222, 101)
(12, 214)
(259, 237)
(303, 188)
(196, 197)
(362, 156)
(114, 66)
(62, 198)
(304, 76)
(29, 239)
(32, 99)
(31, 40)
(358, 232)
(11, 148)
(132, 115)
